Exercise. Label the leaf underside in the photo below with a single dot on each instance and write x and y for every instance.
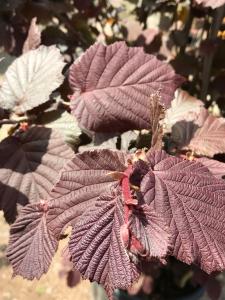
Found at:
(31, 78)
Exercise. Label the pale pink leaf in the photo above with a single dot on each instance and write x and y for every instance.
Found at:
(209, 139)
(211, 3)
(184, 107)
(34, 37)
(31, 78)
(216, 167)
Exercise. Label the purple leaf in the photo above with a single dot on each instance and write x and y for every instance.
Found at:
(33, 38)
(208, 140)
(30, 163)
(112, 86)
(192, 201)
(83, 180)
(204, 135)
(31, 245)
(151, 230)
(211, 3)
(216, 167)
(97, 249)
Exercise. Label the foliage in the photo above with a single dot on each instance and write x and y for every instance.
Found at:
(109, 144)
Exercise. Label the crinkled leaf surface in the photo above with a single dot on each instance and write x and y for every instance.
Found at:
(31, 245)
(65, 123)
(212, 3)
(31, 78)
(151, 230)
(112, 87)
(184, 107)
(83, 180)
(97, 249)
(30, 163)
(192, 201)
(34, 37)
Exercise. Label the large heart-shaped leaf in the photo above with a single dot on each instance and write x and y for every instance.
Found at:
(31, 78)
(192, 201)
(30, 163)
(112, 86)
(83, 180)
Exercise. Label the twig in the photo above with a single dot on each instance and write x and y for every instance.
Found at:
(208, 60)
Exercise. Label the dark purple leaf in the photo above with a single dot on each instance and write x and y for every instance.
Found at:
(31, 245)
(97, 249)
(150, 229)
(112, 86)
(30, 163)
(83, 180)
(192, 201)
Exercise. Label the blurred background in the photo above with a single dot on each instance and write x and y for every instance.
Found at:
(188, 34)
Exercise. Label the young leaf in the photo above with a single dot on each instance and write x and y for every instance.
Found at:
(30, 163)
(31, 78)
(31, 245)
(184, 107)
(211, 3)
(112, 87)
(34, 37)
(192, 201)
(97, 249)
